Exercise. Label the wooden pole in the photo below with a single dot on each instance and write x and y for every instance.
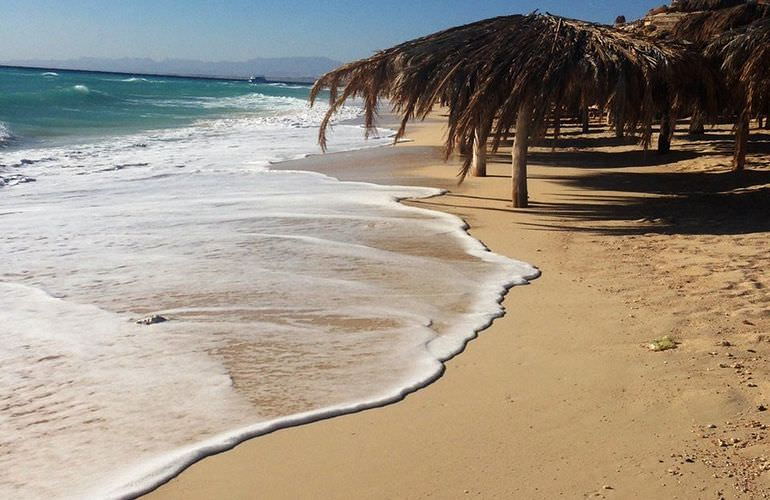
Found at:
(557, 123)
(741, 143)
(519, 194)
(696, 124)
(667, 125)
(586, 120)
(620, 107)
(479, 163)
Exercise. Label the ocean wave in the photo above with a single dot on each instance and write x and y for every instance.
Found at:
(50, 74)
(255, 100)
(287, 112)
(6, 136)
(203, 146)
(70, 96)
(136, 79)
(281, 111)
(79, 93)
(287, 85)
(13, 180)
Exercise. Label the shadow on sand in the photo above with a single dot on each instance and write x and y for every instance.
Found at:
(642, 202)
(682, 203)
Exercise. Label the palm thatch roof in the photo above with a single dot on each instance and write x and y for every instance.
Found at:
(696, 5)
(490, 68)
(703, 27)
(744, 57)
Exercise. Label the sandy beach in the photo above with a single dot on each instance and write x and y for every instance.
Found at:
(561, 397)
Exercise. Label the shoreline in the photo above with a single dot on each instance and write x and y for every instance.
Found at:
(521, 431)
(223, 443)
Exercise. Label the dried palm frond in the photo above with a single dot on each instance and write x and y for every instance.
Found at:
(486, 70)
(744, 58)
(697, 5)
(703, 27)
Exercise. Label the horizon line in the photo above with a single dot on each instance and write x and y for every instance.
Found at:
(262, 78)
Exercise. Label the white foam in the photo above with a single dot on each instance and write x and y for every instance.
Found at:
(293, 296)
(82, 89)
(287, 85)
(245, 143)
(5, 134)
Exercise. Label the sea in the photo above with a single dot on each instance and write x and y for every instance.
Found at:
(289, 296)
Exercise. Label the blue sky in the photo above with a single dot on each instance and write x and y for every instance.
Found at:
(215, 30)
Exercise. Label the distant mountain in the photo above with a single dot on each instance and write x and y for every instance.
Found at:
(293, 68)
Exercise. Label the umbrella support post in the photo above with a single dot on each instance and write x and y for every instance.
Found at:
(619, 118)
(741, 143)
(519, 193)
(696, 124)
(557, 125)
(479, 163)
(586, 121)
(667, 124)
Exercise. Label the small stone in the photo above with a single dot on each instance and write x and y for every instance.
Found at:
(711, 426)
(724, 343)
(761, 408)
(607, 487)
(152, 320)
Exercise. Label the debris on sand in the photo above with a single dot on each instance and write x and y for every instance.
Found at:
(662, 344)
(152, 320)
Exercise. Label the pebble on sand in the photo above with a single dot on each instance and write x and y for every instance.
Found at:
(152, 320)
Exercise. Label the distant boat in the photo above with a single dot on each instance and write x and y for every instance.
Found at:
(257, 79)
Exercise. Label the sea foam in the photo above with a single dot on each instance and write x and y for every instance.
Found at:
(291, 296)
(5, 134)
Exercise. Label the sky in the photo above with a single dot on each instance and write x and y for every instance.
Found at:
(236, 30)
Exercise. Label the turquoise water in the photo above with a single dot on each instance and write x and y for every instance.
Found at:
(44, 105)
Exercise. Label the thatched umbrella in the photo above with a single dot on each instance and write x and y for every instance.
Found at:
(744, 57)
(512, 71)
(700, 5)
(703, 26)
(706, 21)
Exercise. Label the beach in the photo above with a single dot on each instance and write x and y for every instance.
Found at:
(473, 254)
(562, 397)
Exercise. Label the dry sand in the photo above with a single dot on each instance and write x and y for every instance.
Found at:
(560, 398)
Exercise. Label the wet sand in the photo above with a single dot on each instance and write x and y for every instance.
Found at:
(561, 397)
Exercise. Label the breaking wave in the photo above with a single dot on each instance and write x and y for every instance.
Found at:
(6, 137)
